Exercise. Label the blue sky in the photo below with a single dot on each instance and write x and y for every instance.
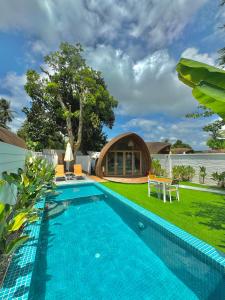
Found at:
(136, 45)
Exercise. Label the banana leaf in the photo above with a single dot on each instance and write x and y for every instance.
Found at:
(207, 83)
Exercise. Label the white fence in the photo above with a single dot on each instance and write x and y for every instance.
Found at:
(214, 162)
(11, 159)
(85, 161)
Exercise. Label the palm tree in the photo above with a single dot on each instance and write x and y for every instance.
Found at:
(6, 114)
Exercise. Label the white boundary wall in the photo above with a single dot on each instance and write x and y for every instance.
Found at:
(214, 162)
(11, 159)
(85, 161)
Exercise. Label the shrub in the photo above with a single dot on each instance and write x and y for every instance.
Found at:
(220, 178)
(183, 173)
(157, 169)
(202, 174)
(34, 182)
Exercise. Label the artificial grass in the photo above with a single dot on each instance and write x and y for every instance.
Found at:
(199, 213)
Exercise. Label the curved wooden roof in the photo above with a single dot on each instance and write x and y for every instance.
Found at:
(9, 137)
(158, 147)
(107, 147)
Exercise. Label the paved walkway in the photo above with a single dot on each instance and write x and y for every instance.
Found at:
(215, 191)
(96, 178)
(127, 180)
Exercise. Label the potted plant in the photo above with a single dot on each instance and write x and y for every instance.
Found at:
(202, 174)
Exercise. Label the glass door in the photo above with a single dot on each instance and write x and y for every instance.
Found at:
(119, 164)
(137, 163)
(111, 163)
(128, 163)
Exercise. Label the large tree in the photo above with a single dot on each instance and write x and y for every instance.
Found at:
(71, 98)
(6, 114)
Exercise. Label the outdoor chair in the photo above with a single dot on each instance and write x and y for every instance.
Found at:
(78, 171)
(157, 186)
(173, 187)
(59, 172)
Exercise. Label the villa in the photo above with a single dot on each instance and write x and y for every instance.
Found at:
(126, 155)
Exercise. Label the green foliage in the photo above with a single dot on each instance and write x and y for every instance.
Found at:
(183, 173)
(34, 182)
(6, 114)
(31, 182)
(9, 225)
(219, 178)
(207, 83)
(57, 98)
(180, 144)
(216, 143)
(202, 174)
(157, 169)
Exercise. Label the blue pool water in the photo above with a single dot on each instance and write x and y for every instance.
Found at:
(93, 246)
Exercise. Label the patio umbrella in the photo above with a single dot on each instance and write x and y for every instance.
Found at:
(207, 83)
(68, 155)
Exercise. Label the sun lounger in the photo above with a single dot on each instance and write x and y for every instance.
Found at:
(78, 171)
(59, 172)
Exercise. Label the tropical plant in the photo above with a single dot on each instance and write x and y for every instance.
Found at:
(71, 100)
(219, 178)
(183, 173)
(33, 182)
(157, 168)
(6, 114)
(202, 174)
(207, 83)
(11, 224)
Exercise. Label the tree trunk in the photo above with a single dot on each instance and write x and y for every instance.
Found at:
(68, 122)
(80, 129)
(75, 145)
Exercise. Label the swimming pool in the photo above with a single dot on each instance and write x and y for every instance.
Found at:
(96, 245)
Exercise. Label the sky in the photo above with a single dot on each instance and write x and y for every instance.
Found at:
(134, 43)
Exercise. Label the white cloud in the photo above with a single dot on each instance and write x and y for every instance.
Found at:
(13, 85)
(155, 22)
(193, 53)
(189, 131)
(146, 86)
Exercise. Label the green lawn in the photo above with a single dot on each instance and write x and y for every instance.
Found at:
(199, 213)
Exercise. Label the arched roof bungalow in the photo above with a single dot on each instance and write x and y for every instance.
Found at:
(124, 156)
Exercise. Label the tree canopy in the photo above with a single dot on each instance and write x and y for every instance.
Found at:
(68, 99)
(6, 114)
(180, 144)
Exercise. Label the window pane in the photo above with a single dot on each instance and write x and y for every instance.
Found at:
(111, 163)
(120, 163)
(128, 163)
(137, 163)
